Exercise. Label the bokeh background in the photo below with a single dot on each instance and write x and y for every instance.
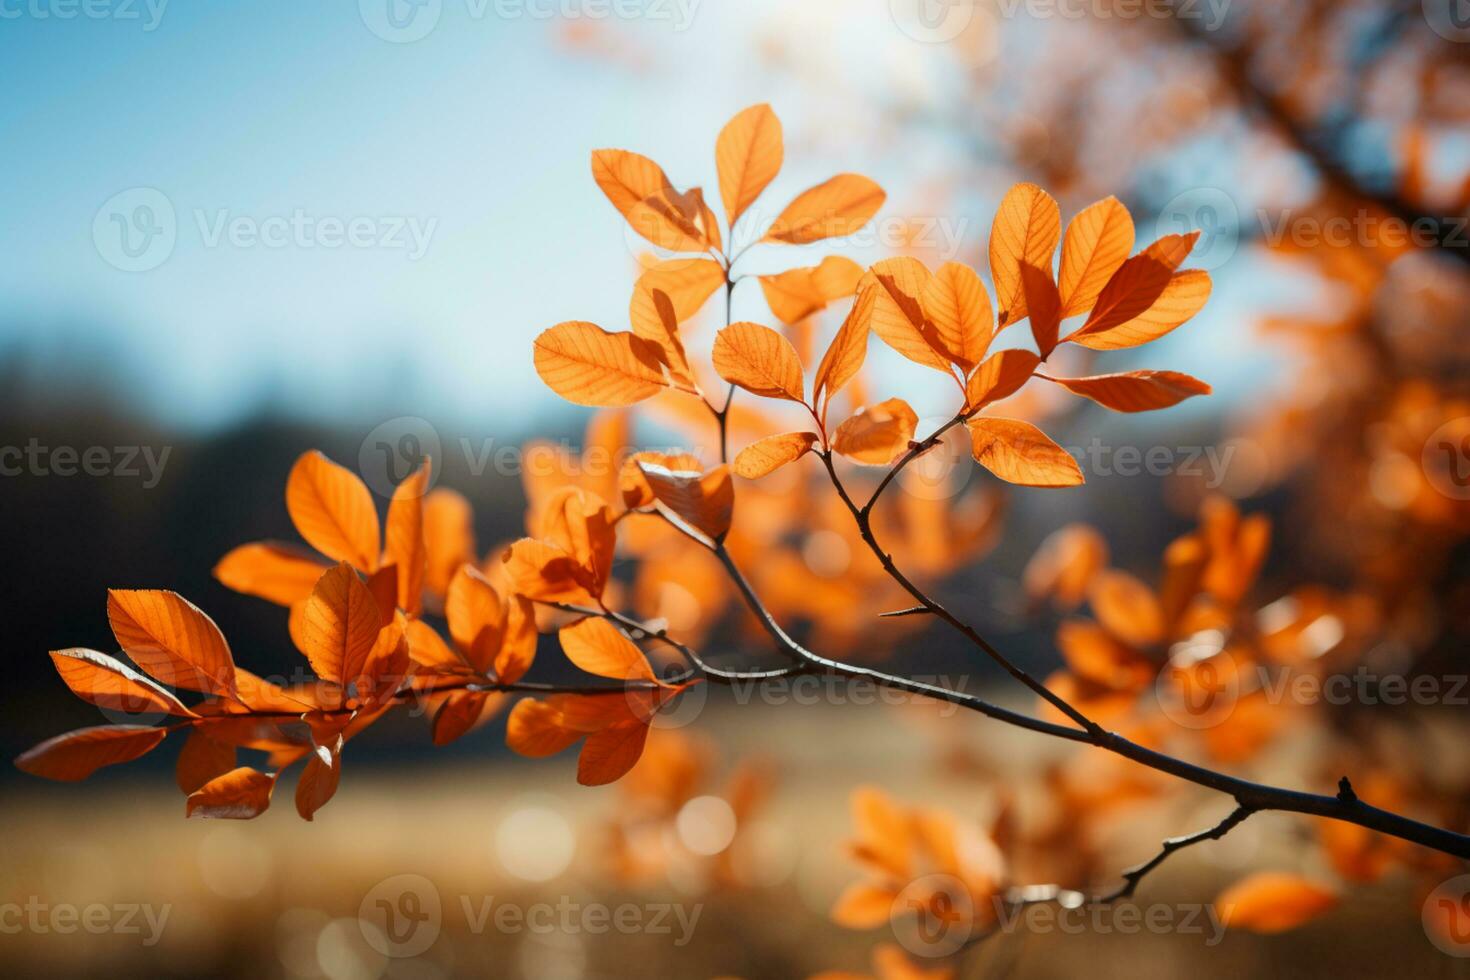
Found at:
(176, 300)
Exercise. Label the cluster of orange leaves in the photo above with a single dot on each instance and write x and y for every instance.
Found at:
(357, 605)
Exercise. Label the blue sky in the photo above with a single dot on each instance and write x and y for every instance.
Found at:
(469, 145)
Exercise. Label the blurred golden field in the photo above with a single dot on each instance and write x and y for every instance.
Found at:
(278, 897)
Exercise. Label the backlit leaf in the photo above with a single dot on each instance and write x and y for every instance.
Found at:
(689, 283)
(1026, 228)
(333, 510)
(340, 625)
(587, 365)
(836, 207)
(641, 192)
(77, 754)
(759, 360)
(318, 783)
(113, 685)
(898, 313)
(878, 433)
(172, 640)
(607, 755)
(1002, 375)
(958, 306)
(404, 544)
(704, 501)
(280, 573)
(1042, 306)
(773, 452)
(1128, 608)
(1018, 452)
(1136, 391)
(1273, 901)
(844, 358)
(748, 156)
(239, 794)
(796, 294)
(1097, 242)
(598, 647)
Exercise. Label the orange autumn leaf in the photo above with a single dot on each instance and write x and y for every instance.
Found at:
(76, 755)
(759, 360)
(280, 573)
(1025, 231)
(878, 433)
(958, 306)
(898, 316)
(546, 573)
(1128, 608)
(1273, 901)
(462, 712)
(598, 647)
(476, 616)
(1183, 297)
(587, 365)
(641, 192)
(172, 640)
(318, 782)
(1145, 298)
(449, 538)
(704, 501)
(240, 794)
(687, 282)
(1098, 240)
(663, 330)
(862, 906)
(1064, 566)
(112, 685)
(797, 294)
(404, 545)
(614, 726)
(772, 453)
(845, 356)
(333, 510)
(340, 625)
(748, 156)
(1020, 453)
(571, 557)
(835, 207)
(1043, 306)
(1136, 391)
(608, 754)
(201, 759)
(534, 730)
(1002, 375)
